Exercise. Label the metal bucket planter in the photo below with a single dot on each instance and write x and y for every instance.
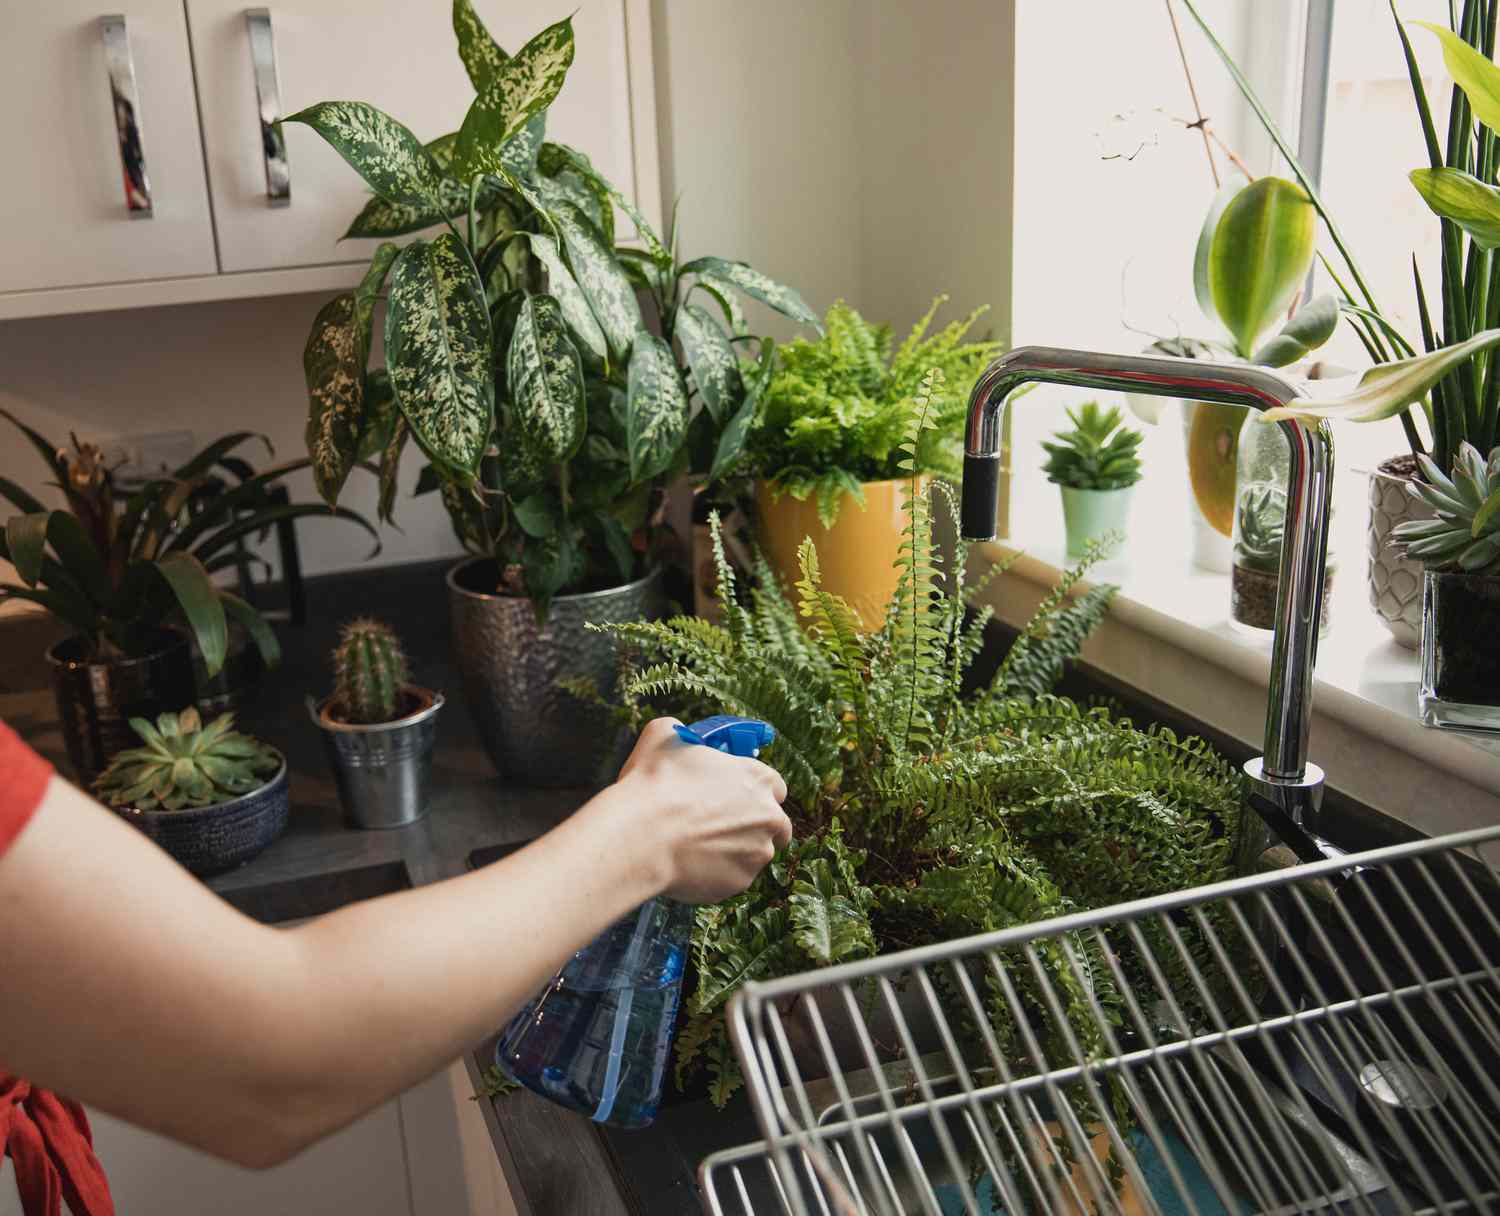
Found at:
(97, 698)
(211, 839)
(1395, 582)
(382, 769)
(536, 732)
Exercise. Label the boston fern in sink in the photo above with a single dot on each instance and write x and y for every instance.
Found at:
(923, 813)
(552, 412)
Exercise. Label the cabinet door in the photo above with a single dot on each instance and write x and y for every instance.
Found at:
(66, 221)
(400, 57)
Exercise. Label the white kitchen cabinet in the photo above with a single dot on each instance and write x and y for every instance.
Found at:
(215, 234)
(66, 222)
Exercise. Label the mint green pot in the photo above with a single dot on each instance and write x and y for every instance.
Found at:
(1091, 513)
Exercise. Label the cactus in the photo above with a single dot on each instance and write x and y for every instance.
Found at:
(369, 671)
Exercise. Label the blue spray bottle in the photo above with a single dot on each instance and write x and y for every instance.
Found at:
(597, 1038)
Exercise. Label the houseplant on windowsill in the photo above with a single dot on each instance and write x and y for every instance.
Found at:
(825, 447)
(132, 573)
(1095, 466)
(519, 361)
(210, 796)
(378, 728)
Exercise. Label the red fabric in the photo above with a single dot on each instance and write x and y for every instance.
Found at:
(49, 1140)
(23, 780)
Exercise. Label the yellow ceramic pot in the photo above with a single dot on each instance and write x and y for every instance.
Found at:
(857, 556)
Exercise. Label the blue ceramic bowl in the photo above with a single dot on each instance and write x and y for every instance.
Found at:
(211, 839)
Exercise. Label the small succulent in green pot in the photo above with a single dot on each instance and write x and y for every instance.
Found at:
(210, 796)
(1095, 463)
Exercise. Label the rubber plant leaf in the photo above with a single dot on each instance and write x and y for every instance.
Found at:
(715, 367)
(1464, 199)
(1263, 247)
(521, 88)
(545, 376)
(390, 158)
(1311, 326)
(1204, 248)
(656, 407)
(1472, 72)
(570, 298)
(757, 286)
(199, 600)
(606, 286)
(333, 364)
(1385, 390)
(438, 351)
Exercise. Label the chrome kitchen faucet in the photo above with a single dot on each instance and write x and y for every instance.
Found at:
(1286, 789)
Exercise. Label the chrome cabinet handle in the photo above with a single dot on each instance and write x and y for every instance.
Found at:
(127, 109)
(268, 104)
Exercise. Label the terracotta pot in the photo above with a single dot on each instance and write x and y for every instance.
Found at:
(857, 556)
(1395, 583)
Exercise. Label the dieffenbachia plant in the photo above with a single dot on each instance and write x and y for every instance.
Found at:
(551, 408)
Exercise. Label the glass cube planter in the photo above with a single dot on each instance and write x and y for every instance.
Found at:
(1461, 651)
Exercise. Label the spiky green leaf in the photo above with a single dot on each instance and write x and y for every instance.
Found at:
(545, 378)
(199, 600)
(656, 407)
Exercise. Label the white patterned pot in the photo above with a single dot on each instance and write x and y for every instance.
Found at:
(1395, 583)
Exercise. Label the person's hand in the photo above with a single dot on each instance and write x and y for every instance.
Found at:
(716, 818)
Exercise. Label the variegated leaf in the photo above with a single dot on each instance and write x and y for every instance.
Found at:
(656, 407)
(465, 516)
(575, 306)
(389, 157)
(390, 465)
(522, 471)
(333, 364)
(737, 429)
(437, 349)
(481, 54)
(654, 247)
(370, 286)
(545, 376)
(571, 188)
(716, 370)
(604, 283)
(522, 87)
(380, 414)
(757, 286)
(729, 303)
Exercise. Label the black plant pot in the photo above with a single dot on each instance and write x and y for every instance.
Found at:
(238, 680)
(96, 699)
(212, 839)
(1461, 650)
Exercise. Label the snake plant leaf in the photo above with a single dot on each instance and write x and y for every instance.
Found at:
(715, 368)
(1385, 390)
(757, 286)
(1263, 247)
(1473, 72)
(656, 407)
(438, 351)
(481, 54)
(26, 538)
(575, 306)
(610, 295)
(1311, 326)
(333, 364)
(521, 87)
(655, 250)
(545, 376)
(1458, 196)
(199, 600)
(390, 158)
(390, 466)
(1204, 248)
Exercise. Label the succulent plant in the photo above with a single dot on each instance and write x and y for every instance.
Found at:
(1262, 518)
(369, 670)
(1098, 453)
(186, 764)
(1466, 533)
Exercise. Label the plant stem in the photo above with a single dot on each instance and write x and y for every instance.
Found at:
(473, 199)
(1202, 122)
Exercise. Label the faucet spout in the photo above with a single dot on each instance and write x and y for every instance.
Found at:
(1283, 774)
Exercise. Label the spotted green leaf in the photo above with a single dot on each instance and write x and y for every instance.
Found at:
(333, 364)
(572, 188)
(390, 466)
(522, 470)
(437, 349)
(521, 88)
(716, 370)
(729, 304)
(604, 283)
(757, 286)
(370, 287)
(481, 54)
(545, 376)
(390, 158)
(380, 414)
(656, 407)
(575, 306)
(654, 247)
(737, 429)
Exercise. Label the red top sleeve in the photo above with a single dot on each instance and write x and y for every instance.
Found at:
(23, 780)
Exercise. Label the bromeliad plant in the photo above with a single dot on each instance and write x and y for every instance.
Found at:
(184, 764)
(551, 410)
(116, 564)
(921, 813)
(1098, 452)
(838, 410)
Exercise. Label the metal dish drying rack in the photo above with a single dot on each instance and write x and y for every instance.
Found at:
(1320, 1038)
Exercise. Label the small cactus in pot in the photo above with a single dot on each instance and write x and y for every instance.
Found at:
(378, 728)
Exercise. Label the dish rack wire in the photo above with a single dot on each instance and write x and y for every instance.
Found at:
(1324, 1037)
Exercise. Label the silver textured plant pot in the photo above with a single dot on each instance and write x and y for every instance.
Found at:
(382, 769)
(536, 732)
(1395, 582)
